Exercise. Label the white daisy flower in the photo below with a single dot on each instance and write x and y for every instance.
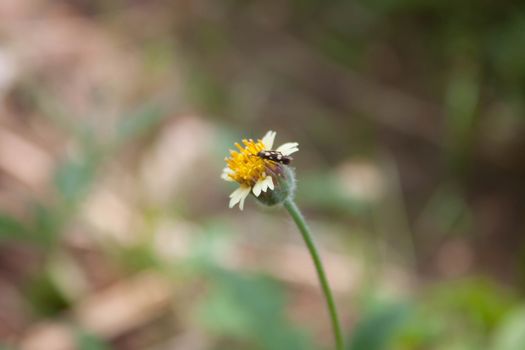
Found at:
(256, 166)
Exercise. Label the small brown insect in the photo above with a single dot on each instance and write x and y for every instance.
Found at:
(275, 156)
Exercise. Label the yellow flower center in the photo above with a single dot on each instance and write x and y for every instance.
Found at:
(247, 168)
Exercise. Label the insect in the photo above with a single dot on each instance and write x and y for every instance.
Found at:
(275, 156)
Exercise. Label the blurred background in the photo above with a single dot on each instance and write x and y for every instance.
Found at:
(116, 116)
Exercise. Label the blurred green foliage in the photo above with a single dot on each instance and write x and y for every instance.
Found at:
(249, 307)
(11, 228)
(473, 314)
(242, 310)
(511, 334)
(86, 341)
(376, 329)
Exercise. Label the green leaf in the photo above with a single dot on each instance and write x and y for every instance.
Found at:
(139, 122)
(87, 341)
(73, 178)
(251, 308)
(43, 228)
(45, 297)
(377, 328)
(511, 334)
(11, 228)
(220, 313)
(479, 303)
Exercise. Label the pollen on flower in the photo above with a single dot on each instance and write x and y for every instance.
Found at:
(245, 166)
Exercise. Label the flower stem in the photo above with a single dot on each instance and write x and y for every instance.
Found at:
(294, 211)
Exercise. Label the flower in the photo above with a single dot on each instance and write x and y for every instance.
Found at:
(253, 173)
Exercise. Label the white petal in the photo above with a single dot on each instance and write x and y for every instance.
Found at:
(269, 182)
(245, 194)
(238, 191)
(288, 148)
(239, 195)
(225, 174)
(262, 185)
(258, 187)
(267, 140)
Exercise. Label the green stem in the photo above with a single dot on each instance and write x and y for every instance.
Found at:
(294, 211)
